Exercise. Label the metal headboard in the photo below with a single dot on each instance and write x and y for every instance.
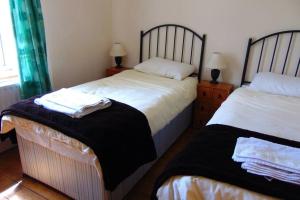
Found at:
(183, 49)
(275, 36)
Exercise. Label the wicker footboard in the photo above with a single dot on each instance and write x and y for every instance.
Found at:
(77, 180)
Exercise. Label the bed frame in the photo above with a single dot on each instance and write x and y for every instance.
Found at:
(79, 180)
(156, 40)
(276, 37)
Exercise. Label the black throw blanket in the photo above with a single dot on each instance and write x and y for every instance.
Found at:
(119, 135)
(209, 155)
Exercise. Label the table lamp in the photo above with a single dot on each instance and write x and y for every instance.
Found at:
(118, 52)
(216, 64)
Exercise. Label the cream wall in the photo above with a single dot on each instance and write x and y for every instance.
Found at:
(227, 23)
(78, 36)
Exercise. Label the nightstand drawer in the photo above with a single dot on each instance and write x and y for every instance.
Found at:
(203, 107)
(215, 106)
(219, 96)
(209, 98)
(204, 94)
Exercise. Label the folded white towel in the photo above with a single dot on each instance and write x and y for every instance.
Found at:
(74, 100)
(268, 159)
(73, 103)
(275, 173)
(270, 170)
(268, 153)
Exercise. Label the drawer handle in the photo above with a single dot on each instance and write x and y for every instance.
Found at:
(219, 96)
(204, 94)
(202, 108)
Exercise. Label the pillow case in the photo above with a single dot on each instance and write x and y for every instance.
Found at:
(276, 84)
(166, 68)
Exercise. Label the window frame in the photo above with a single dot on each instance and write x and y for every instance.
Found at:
(8, 52)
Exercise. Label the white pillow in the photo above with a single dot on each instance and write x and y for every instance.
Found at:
(166, 68)
(276, 84)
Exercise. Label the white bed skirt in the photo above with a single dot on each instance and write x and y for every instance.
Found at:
(60, 172)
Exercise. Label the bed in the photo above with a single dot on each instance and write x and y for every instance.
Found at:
(247, 110)
(72, 167)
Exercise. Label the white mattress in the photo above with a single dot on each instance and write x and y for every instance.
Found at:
(247, 109)
(159, 98)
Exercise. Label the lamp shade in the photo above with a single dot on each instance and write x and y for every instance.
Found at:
(117, 50)
(216, 61)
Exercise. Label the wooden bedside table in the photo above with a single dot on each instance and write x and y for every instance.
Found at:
(209, 98)
(114, 70)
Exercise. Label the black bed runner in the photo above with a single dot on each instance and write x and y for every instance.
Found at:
(120, 135)
(209, 155)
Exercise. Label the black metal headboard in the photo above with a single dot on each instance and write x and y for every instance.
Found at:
(163, 37)
(276, 50)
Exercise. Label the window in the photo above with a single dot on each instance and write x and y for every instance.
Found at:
(8, 52)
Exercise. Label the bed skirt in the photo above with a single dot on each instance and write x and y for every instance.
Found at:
(81, 180)
(75, 179)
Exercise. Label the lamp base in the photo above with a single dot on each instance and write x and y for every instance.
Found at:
(215, 75)
(118, 60)
(214, 82)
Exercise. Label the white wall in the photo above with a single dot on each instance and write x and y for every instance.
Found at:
(227, 23)
(78, 36)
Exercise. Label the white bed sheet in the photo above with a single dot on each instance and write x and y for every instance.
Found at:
(247, 109)
(159, 98)
(261, 112)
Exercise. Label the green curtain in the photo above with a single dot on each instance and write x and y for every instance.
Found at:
(31, 47)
